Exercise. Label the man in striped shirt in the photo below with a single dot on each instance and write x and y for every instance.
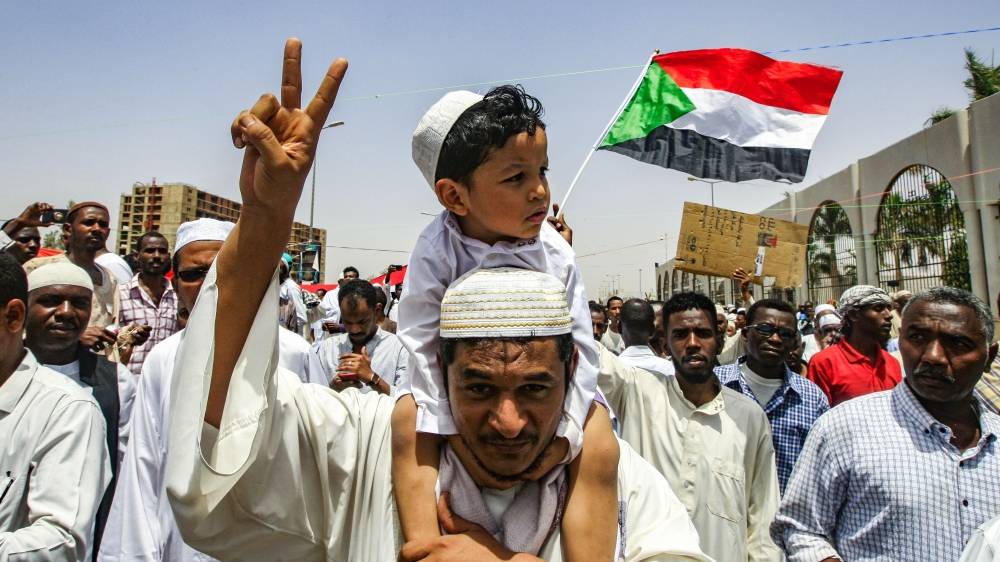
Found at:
(906, 474)
(148, 300)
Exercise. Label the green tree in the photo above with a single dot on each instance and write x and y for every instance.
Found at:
(916, 229)
(983, 81)
(956, 266)
(830, 226)
(54, 237)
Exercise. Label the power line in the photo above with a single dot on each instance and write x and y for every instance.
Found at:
(657, 241)
(416, 91)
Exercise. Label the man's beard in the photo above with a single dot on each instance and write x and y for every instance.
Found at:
(155, 270)
(696, 377)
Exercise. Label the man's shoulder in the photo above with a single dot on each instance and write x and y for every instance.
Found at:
(857, 415)
(742, 408)
(389, 339)
(332, 342)
(61, 387)
(290, 339)
(728, 372)
(807, 390)
(35, 263)
(828, 354)
(166, 349)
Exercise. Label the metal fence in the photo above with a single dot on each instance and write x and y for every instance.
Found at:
(831, 260)
(920, 241)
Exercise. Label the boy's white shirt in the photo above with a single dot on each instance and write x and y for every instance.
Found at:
(442, 255)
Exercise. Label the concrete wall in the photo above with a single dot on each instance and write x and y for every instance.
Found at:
(965, 148)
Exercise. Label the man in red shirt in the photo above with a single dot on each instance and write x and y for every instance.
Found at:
(858, 364)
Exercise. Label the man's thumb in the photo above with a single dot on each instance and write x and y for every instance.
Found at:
(262, 138)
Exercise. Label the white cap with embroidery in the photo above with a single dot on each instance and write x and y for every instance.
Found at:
(505, 302)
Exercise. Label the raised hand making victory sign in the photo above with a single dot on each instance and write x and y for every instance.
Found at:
(279, 142)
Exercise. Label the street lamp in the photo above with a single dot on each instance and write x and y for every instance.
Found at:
(312, 197)
(709, 182)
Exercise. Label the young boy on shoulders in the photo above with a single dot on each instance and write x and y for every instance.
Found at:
(486, 159)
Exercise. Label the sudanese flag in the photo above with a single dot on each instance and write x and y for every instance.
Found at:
(727, 114)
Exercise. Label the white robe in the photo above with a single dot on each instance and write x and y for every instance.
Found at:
(141, 526)
(54, 455)
(300, 472)
(126, 397)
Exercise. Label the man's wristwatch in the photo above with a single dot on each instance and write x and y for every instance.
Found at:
(375, 380)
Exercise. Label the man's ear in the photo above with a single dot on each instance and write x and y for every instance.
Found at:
(13, 315)
(453, 196)
(992, 352)
(574, 361)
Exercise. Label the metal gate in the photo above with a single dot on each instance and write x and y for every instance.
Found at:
(832, 263)
(921, 233)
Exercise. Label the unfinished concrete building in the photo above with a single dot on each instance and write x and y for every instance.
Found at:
(163, 207)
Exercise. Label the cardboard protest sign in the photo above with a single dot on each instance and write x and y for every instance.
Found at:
(716, 241)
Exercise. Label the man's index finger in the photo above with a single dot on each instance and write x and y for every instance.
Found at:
(291, 75)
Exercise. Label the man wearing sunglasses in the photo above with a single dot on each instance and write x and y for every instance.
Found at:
(141, 525)
(791, 402)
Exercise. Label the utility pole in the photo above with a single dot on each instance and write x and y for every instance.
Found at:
(312, 208)
(709, 182)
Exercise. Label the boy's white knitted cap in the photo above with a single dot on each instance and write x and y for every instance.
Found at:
(505, 302)
(434, 127)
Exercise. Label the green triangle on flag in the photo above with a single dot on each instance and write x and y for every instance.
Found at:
(657, 101)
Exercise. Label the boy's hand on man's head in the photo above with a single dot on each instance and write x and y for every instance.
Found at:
(280, 138)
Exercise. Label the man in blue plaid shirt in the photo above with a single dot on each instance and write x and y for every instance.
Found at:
(906, 474)
(791, 402)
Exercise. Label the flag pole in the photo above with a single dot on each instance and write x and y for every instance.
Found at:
(604, 132)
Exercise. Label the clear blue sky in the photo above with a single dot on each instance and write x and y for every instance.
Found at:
(103, 94)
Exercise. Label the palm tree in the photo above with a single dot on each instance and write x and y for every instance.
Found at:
(914, 228)
(830, 226)
(983, 81)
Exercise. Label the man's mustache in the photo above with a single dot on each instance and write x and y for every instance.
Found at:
(497, 439)
(935, 372)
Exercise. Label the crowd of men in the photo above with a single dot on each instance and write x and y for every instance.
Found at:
(747, 446)
(206, 407)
